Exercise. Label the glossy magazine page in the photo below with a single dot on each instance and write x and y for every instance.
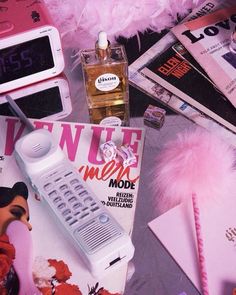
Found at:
(179, 73)
(208, 40)
(167, 96)
(116, 186)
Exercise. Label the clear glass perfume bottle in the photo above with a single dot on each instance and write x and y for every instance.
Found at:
(105, 71)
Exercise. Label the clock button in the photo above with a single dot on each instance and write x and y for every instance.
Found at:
(6, 26)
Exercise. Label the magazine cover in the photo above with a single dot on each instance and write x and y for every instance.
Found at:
(176, 70)
(219, 238)
(57, 268)
(208, 40)
(167, 98)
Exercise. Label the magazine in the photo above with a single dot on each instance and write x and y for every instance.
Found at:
(115, 185)
(208, 40)
(177, 71)
(175, 230)
(167, 98)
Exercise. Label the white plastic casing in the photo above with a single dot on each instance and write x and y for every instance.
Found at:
(101, 242)
(59, 82)
(56, 49)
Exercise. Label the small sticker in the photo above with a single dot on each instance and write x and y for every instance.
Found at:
(107, 82)
(111, 121)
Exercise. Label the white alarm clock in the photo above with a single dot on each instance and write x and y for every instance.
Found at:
(30, 45)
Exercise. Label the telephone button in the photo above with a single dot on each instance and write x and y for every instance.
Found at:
(103, 218)
(6, 26)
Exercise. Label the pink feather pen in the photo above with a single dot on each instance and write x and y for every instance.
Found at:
(200, 245)
(197, 165)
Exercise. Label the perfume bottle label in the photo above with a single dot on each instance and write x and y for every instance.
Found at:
(111, 121)
(107, 82)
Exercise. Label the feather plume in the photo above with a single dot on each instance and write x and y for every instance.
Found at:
(195, 162)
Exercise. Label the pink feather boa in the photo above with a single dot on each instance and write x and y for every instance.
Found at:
(80, 20)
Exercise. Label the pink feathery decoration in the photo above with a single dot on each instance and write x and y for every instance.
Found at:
(196, 161)
(79, 21)
(196, 165)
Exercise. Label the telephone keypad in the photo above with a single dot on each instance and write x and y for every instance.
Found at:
(70, 198)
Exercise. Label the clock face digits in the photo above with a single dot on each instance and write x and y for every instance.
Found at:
(25, 59)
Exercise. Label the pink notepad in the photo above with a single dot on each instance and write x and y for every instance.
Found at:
(175, 230)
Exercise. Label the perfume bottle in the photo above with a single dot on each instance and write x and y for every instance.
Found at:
(105, 72)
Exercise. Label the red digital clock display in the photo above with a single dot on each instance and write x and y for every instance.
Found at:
(25, 59)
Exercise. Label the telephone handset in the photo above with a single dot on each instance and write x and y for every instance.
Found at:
(101, 241)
